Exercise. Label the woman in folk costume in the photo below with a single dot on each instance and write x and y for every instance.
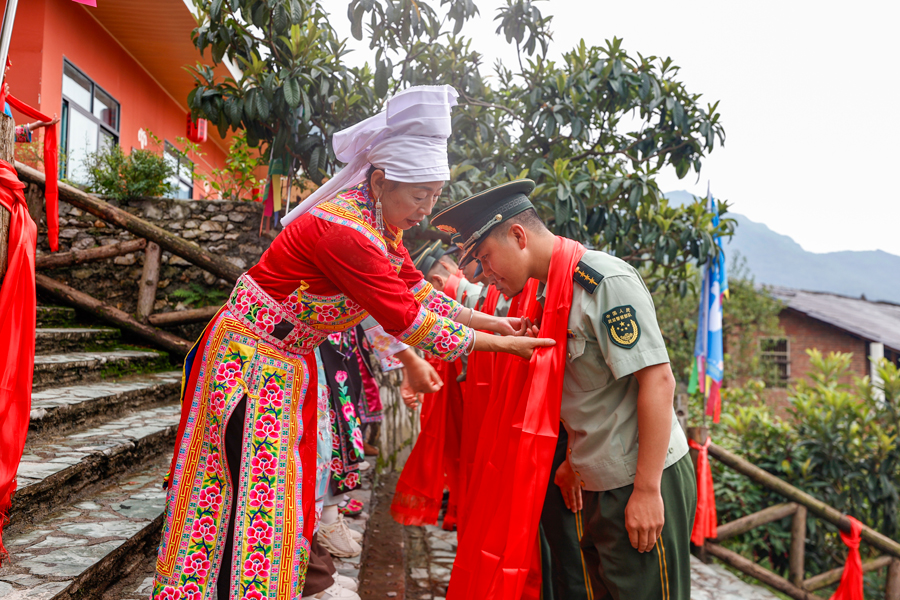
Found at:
(240, 508)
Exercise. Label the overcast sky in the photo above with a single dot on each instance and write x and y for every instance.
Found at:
(808, 91)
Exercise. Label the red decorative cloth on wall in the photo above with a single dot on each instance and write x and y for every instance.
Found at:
(497, 549)
(51, 167)
(17, 323)
(851, 586)
(705, 521)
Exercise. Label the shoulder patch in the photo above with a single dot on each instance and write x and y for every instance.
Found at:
(587, 277)
(622, 326)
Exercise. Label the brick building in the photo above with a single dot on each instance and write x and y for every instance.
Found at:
(831, 323)
(113, 73)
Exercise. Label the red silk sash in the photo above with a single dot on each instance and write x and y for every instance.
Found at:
(705, 520)
(476, 396)
(51, 165)
(17, 307)
(512, 466)
(851, 586)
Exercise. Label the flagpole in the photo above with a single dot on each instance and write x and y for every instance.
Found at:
(9, 18)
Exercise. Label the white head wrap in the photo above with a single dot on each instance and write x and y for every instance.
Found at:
(408, 139)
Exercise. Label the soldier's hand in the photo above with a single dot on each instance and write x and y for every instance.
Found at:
(644, 518)
(569, 485)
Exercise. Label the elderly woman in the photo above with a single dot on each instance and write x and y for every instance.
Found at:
(240, 507)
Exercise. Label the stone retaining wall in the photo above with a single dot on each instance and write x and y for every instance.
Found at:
(226, 229)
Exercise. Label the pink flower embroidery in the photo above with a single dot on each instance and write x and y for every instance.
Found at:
(170, 593)
(204, 529)
(227, 374)
(214, 464)
(352, 479)
(335, 338)
(214, 438)
(262, 495)
(217, 402)
(257, 565)
(260, 532)
(332, 416)
(191, 592)
(244, 301)
(267, 426)
(263, 464)
(438, 306)
(337, 465)
(340, 376)
(356, 436)
(325, 313)
(271, 395)
(252, 594)
(349, 413)
(446, 341)
(350, 306)
(210, 498)
(267, 319)
(198, 564)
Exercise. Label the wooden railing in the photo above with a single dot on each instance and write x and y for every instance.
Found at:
(152, 241)
(800, 505)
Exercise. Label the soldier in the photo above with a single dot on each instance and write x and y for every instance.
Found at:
(637, 499)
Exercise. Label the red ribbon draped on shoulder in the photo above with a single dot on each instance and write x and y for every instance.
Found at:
(705, 521)
(497, 548)
(851, 586)
(17, 307)
(51, 165)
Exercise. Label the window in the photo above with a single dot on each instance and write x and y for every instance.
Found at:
(90, 122)
(775, 353)
(183, 180)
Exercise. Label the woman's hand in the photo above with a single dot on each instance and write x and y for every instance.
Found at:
(521, 346)
(569, 485)
(411, 399)
(421, 376)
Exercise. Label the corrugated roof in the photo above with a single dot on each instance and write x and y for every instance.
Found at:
(873, 321)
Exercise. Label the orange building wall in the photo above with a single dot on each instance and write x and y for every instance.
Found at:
(69, 31)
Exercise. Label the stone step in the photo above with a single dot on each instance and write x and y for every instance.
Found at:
(84, 546)
(74, 339)
(67, 467)
(73, 367)
(59, 409)
(55, 316)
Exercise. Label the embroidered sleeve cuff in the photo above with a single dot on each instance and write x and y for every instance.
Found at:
(437, 335)
(436, 301)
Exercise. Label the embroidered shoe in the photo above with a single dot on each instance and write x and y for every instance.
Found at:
(337, 592)
(348, 583)
(336, 538)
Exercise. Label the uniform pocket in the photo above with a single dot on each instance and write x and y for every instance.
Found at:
(575, 348)
(585, 369)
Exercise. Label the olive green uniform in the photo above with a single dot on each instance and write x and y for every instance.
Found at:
(613, 333)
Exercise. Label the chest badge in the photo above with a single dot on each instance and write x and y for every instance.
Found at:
(622, 326)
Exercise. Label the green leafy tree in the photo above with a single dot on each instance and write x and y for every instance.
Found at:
(142, 173)
(594, 130)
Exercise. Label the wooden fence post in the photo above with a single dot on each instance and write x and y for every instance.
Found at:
(892, 589)
(796, 557)
(149, 282)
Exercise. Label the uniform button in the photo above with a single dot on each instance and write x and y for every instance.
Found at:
(570, 355)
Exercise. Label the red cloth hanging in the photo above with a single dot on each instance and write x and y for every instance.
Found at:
(705, 520)
(419, 492)
(17, 307)
(851, 586)
(496, 554)
(476, 397)
(51, 166)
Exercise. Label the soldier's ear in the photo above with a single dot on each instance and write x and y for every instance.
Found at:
(518, 235)
(437, 281)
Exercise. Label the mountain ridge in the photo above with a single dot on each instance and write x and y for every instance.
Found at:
(776, 259)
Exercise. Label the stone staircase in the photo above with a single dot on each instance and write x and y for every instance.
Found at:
(88, 509)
